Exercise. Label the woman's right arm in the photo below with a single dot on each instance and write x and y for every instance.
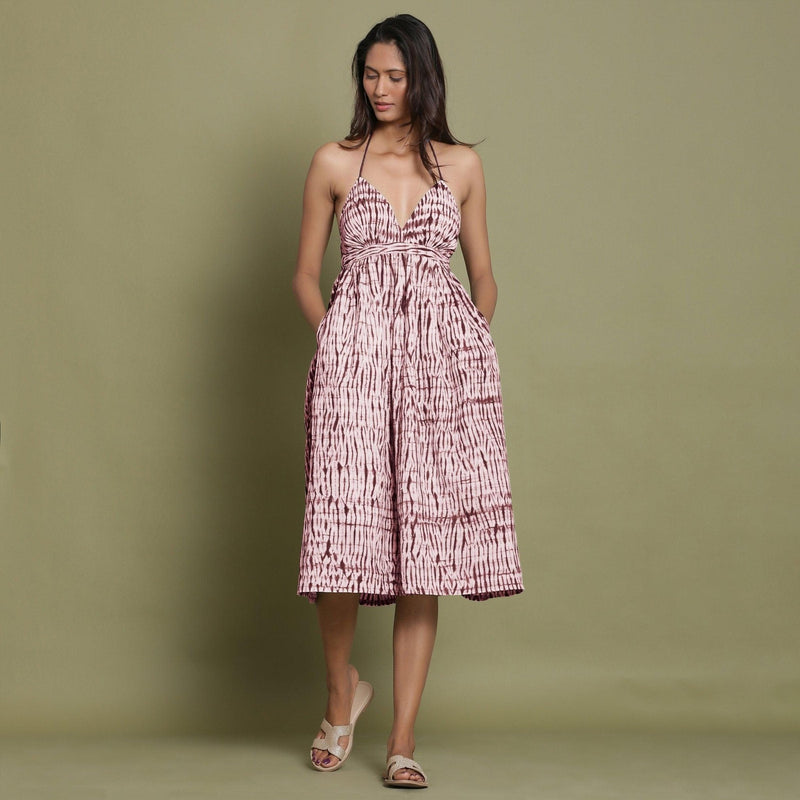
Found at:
(315, 231)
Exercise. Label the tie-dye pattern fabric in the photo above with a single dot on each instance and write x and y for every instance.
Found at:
(406, 476)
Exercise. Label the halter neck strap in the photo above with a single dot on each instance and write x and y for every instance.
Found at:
(441, 178)
(364, 157)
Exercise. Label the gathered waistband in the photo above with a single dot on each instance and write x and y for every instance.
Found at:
(413, 248)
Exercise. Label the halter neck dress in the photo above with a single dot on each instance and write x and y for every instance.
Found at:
(406, 477)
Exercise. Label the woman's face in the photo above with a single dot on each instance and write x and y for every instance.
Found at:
(386, 83)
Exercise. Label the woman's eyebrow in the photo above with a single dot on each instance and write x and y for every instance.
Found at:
(393, 69)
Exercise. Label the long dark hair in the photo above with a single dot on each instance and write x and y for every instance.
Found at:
(426, 84)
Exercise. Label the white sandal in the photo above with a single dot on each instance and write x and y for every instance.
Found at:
(394, 764)
(330, 741)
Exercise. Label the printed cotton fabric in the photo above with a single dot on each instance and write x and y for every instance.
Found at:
(406, 475)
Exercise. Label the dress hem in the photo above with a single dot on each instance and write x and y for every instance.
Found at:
(385, 599)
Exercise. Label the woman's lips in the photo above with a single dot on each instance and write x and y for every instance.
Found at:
(382, 106)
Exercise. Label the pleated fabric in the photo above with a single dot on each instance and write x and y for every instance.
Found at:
(407, 487)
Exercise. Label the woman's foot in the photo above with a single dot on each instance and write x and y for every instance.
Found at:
(403, 747)
(341, 690)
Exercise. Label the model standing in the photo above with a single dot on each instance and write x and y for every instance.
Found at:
(407, 487)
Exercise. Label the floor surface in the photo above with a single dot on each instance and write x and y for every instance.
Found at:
(544, 766)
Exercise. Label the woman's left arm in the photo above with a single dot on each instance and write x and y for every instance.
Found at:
(474, 237)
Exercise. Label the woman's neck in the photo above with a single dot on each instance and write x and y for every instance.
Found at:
(397, 137)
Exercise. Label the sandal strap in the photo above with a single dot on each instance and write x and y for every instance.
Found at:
(330, 741)
(396, 763)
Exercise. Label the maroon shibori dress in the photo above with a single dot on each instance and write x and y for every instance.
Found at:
(406, 477)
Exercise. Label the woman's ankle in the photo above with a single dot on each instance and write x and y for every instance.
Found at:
(341, 681)
(402, 743)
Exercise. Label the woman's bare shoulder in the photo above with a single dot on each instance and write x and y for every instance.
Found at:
(461, 155)
(461, 168)
(463, 162)
(334, 167)
(334, 157)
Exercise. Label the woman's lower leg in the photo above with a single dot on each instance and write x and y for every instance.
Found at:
(337, 614)
(415, 623)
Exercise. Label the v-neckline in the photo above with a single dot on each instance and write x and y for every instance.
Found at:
(391, 207)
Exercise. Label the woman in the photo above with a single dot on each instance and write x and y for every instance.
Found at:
(407, 488)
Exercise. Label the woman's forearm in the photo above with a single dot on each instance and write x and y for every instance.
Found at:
(484, 295)
(309, 298)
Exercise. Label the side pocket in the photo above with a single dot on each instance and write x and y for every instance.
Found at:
(322, 323)
(479, 314)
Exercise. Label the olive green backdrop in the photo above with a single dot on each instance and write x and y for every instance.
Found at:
(642, 169)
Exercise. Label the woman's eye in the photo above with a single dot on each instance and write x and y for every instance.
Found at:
(395, 80)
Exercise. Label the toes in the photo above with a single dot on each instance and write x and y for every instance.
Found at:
(322, 758)
(408, 775)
